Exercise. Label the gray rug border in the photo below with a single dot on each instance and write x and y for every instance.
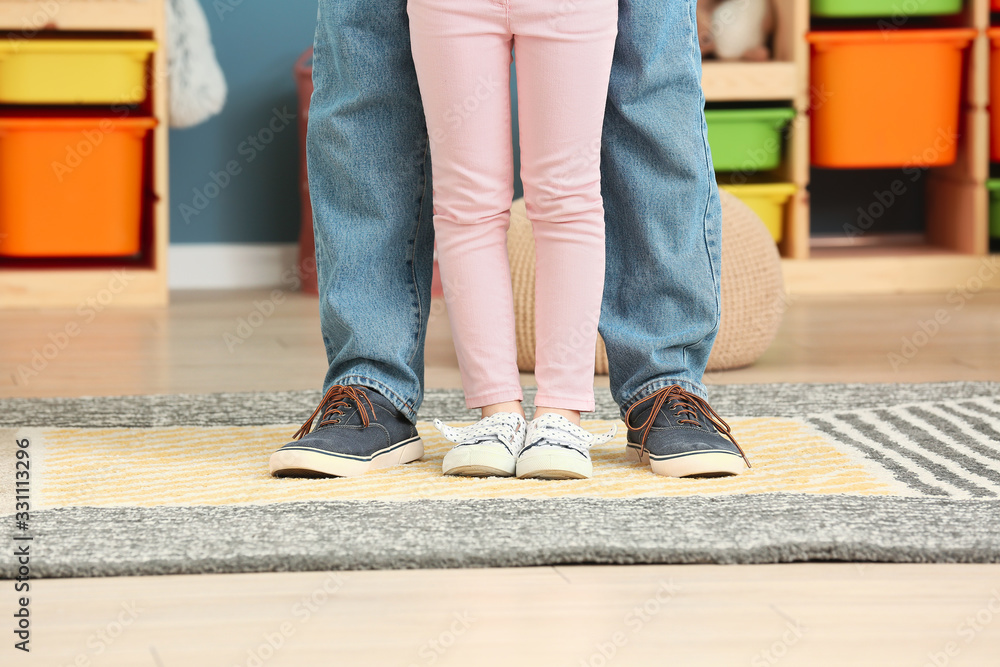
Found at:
(292, 407)
(364, 535)
(759, 528)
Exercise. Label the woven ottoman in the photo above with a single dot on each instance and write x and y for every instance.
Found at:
(753, 293)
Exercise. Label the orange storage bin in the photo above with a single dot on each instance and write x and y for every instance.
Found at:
(886, 98)
(994, 34)
(71, 187)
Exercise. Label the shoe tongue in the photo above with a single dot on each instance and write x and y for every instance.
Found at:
(552, 420)
(640, 416)
(664, 418)
(553, 424)
(351, 415)
(502, 418)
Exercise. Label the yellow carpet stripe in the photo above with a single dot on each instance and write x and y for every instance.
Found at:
(226, 465)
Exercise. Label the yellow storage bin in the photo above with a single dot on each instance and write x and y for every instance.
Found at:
(74, 71)
(767, 200)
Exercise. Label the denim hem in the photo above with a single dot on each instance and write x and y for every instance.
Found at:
(394, 398)
(473, 402)
(655, 385)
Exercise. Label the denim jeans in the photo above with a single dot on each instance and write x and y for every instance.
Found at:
(369, 182)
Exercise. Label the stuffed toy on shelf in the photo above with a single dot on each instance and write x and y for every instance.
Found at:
(735, 29)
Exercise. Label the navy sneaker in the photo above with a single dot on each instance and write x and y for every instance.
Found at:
(358, 430)
(680, 435)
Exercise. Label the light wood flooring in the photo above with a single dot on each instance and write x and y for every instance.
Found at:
(189, 347)
(803, 614)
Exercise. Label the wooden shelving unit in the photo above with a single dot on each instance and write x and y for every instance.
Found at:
(785, 80)
(146, 285)
(957, 201)
(957, 241)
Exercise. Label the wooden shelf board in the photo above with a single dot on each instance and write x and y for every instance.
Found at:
(725, 81)
(22, 17)
(862, 251)
(69, 288)
(890, 271)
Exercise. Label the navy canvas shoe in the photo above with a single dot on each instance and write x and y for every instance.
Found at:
(680, 435)
(357, 430)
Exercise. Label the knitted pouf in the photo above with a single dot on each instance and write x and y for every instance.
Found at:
(753, 293)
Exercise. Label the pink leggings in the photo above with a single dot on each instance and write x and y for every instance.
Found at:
(563, 49)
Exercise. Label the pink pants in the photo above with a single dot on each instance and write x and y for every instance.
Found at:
(563, 49)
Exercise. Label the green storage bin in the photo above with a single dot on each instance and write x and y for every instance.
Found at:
(994, 188)
(849, 8)
(746, 140)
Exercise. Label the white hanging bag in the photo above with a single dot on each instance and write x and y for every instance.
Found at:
(197, 84)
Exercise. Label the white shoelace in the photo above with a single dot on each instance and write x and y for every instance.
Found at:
(506, 428)
(555, 430)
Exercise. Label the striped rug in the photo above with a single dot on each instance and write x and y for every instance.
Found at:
(158, 484)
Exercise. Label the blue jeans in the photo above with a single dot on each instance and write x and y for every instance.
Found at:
(369, 182)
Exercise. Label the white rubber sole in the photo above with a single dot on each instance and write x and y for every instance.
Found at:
(703, 464)
(479, 461)
(308, 462)
(553, 463)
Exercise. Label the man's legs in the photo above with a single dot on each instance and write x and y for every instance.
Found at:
(660, 313)
(367, 149)
(664, 228)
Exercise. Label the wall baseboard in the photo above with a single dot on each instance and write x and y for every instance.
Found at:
(232, 265)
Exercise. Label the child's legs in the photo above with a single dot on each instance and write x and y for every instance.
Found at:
(563, 65)
(461, 49)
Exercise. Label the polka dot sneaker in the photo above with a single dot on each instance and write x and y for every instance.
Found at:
(488, 448)
(556, 448)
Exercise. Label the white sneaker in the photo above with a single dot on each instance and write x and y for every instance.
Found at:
(556, 448)
(488, 448)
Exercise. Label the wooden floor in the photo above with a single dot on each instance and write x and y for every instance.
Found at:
(244, 341)
(805, 614)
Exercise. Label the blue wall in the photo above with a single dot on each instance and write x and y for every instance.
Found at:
(257, 45)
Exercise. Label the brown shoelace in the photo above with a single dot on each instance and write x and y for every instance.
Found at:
(684, 403)
(338, 396)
